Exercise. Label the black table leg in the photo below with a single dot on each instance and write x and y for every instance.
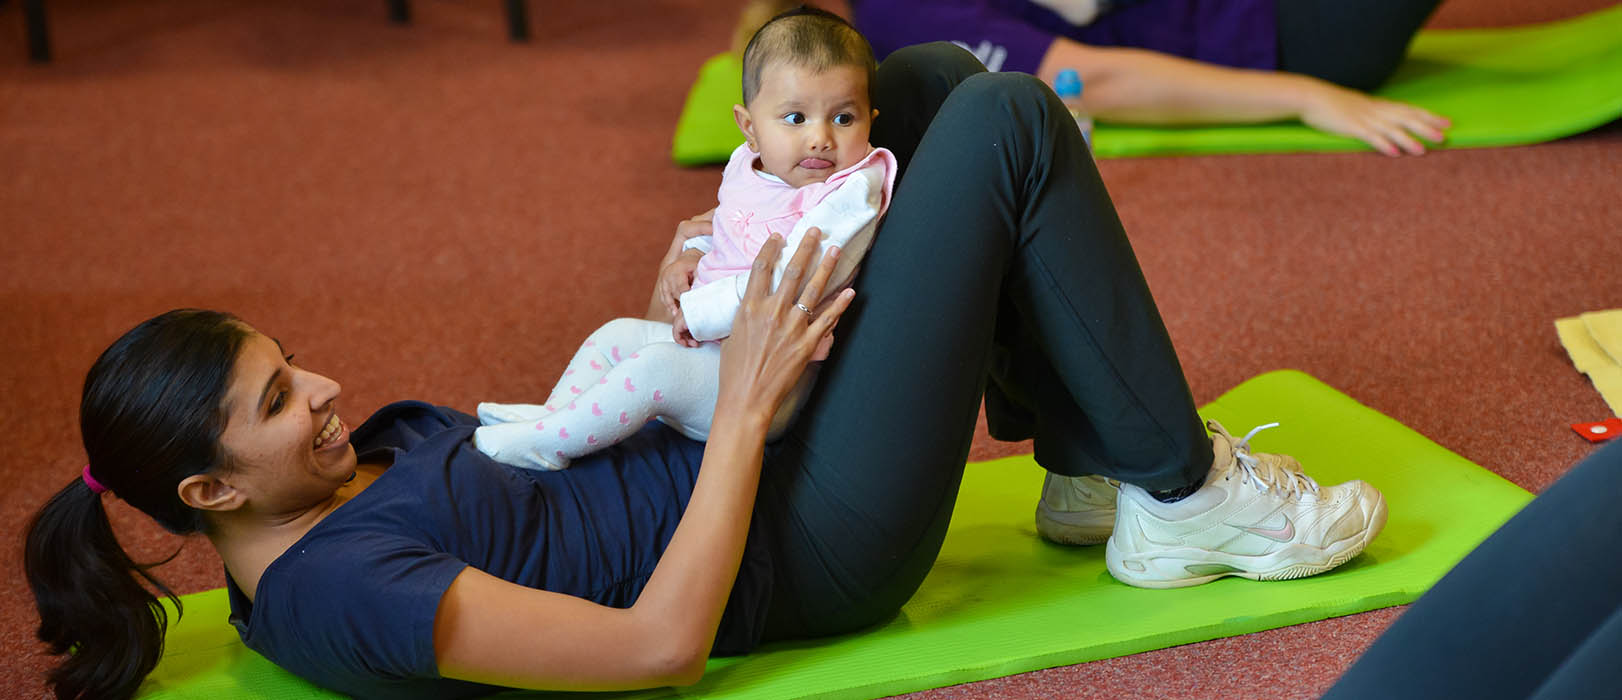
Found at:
(39, 36)
(517, 20)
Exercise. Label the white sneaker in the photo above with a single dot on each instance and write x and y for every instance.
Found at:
(1257, 516)
(1076, 509)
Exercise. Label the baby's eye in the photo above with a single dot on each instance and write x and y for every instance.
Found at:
(844, 119)
(794, 118)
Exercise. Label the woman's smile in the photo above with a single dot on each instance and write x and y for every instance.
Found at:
(334, 435)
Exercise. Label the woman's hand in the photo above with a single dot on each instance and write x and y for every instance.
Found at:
(700, 225)
(772, 337)
(658, 307)
(1390, 127)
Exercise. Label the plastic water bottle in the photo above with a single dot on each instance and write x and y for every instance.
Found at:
(1068, 87)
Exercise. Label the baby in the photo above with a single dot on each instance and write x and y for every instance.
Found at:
(805, 162)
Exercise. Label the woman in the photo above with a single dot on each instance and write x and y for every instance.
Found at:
(1170, 62)
(397, 561)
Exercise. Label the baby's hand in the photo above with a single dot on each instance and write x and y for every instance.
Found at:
(677, 278)
(679, 332)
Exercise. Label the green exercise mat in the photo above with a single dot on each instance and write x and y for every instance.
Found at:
(1001, 601)
(1501, 87)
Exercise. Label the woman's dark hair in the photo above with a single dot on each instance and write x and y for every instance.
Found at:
(810, 37)
(151, 415)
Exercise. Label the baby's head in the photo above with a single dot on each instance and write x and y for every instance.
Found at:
(807, 95)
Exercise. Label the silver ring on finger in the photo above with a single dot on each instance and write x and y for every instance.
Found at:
(805, 308)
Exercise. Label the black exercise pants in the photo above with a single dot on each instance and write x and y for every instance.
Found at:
(1534, 612)
(1001, 261)
(1355, 43)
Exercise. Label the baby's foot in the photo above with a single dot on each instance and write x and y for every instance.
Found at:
(493, 413)
(518, 444)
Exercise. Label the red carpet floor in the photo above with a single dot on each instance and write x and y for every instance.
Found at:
(432, 212)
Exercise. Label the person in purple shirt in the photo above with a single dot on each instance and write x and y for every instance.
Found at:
(1171, 62)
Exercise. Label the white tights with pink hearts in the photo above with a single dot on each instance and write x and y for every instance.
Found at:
(626, 373)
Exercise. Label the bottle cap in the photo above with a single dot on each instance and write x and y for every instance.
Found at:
(1068, 83)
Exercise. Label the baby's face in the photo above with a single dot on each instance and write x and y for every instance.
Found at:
(808, 124)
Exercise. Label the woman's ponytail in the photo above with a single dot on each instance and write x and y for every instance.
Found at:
(91, 605)
(151, 415)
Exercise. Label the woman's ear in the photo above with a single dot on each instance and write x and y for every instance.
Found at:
(208, 492)
(746, 125)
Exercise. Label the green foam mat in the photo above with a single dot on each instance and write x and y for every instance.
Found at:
(1501, 87)
(1001, 601)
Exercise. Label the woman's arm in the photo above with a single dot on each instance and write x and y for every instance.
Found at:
(1145, 87)
(492, 631)
(660, 307)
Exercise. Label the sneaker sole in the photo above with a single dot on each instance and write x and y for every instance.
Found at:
(1114, 561)
(1094, 529)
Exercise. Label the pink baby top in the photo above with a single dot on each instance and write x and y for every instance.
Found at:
(754, 204)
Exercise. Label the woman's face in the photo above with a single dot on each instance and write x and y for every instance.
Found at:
(288, 449)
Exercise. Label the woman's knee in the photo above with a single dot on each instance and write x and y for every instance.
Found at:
(909, 88)
(1016, 101)
(939, 60)
(1005, 87)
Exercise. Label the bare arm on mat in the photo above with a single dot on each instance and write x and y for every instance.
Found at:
(1146, 87)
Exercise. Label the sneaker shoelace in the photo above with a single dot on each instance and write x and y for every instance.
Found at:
(1268, 474)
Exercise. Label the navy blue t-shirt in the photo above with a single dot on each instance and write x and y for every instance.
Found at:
(351, 605)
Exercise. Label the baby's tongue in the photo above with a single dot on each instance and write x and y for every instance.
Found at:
(816, 163)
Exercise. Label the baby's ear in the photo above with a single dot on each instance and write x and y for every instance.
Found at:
(745, 124)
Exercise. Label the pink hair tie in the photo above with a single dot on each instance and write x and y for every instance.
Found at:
(95, 486)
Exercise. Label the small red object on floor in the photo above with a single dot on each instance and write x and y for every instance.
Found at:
(1601, 431)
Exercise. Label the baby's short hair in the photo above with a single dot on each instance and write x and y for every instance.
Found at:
(809, 37)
